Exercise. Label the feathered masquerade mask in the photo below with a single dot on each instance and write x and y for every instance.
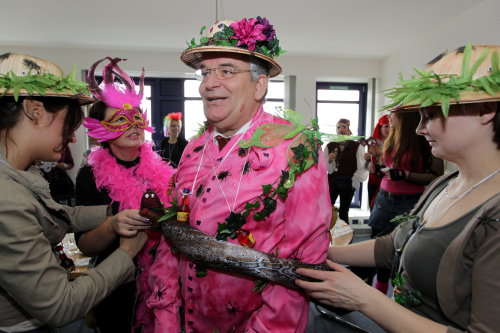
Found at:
(121, 96)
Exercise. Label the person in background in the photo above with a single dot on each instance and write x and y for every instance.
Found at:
(172, 146)
(446, 254)
(35, 293)
(374, 157)
(118, 173)
(410, 166)
(234, 176)
(346, 168)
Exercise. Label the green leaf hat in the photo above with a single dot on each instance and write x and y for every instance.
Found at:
(254, 37)
(25, 75)
(470, 74)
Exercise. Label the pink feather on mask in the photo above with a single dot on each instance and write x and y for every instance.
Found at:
(115, 96)
(96, 130)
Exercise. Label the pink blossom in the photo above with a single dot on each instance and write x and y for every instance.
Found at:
(247, 32)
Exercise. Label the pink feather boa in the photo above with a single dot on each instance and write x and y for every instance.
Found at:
(127, 185)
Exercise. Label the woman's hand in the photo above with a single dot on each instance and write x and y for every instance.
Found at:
(339, 288)
(128, 222)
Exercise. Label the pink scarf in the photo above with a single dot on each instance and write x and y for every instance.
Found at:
(127, 185)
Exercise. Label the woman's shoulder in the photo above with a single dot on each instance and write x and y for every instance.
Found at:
(183, 141)
(85, 173)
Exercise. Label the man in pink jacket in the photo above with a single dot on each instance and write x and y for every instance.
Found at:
(244, 188)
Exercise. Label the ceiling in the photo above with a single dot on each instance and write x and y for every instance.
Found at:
(356, 28)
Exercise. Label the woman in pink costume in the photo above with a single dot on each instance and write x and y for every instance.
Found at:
(118, 173)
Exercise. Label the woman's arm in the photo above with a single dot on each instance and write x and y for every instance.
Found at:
(425, 178)
(126, 223)
(343, 289)
(359, 254)
(31, 275)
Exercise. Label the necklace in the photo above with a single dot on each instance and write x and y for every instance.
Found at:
(171, 151)
(215, 168)
(458, 197)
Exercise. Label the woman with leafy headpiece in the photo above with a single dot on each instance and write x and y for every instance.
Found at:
(40, 110)
(445, 255)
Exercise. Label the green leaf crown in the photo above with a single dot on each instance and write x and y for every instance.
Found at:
(41, 84)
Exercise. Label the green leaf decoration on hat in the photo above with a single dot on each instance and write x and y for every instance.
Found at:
(429, 88)
(41, 83)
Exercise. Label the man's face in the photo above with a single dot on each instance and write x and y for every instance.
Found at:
(342, 129)
(230, 103)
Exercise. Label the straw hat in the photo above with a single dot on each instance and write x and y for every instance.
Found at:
(25, 75)
(469, 74)
(254, 37)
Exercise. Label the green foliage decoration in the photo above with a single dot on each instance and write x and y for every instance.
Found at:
(429, 88)
(39, 84)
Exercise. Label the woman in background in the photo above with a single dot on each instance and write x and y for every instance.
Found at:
(409, 167)
(172, 146)
(118, 173)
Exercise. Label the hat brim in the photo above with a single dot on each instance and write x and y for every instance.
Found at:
(193, 56)
(466, 97)
(80, 97)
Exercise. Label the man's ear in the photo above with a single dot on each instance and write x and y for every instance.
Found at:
(261, 87)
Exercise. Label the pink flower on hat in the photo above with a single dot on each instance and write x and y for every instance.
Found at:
(247, 32)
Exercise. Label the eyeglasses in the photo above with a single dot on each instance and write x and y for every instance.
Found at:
(222, 73)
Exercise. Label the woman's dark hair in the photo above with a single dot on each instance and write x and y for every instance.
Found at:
(98, 111)
(403, 138)
(10, 112)
(486, 107)
(496, 126)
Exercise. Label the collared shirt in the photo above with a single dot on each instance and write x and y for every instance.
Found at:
(242, 130)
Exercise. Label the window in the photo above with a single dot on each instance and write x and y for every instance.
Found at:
(341, 100)
(335, 100)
